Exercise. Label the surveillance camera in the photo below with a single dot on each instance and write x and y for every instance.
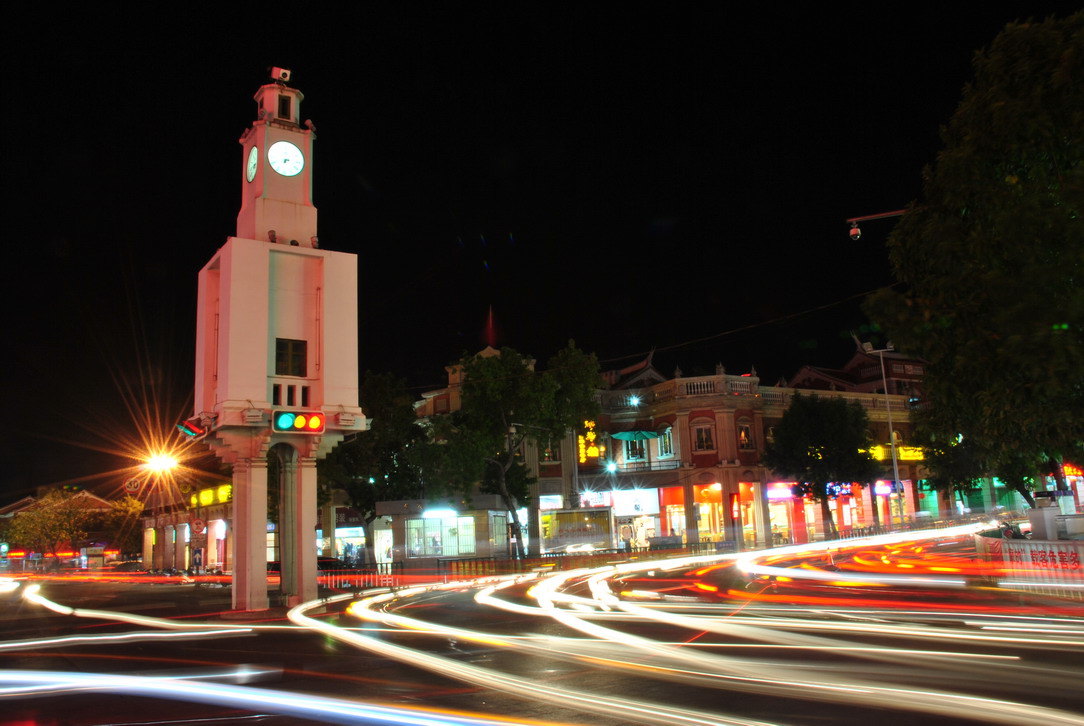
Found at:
(856, 234)
(280, 74)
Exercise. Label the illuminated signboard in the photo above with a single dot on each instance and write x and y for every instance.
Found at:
(903, 453)
(214, 495)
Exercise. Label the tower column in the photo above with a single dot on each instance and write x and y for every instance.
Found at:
(180, 547)
(250, 534)
(158, 547)
(298, 519)
(692, 519)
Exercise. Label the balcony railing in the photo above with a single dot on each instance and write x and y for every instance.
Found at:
(631, 466)
(738, 386)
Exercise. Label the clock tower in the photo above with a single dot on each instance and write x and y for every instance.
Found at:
(276, 169)
(276, 351)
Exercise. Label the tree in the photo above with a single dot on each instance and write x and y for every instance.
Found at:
(955, 467)
(820, 441)
(58, 520)
(991, 260)
(506, 402)
(123, 525)
(386, 461)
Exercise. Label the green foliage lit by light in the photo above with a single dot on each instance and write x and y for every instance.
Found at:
(507, 402)
(56, 521)
(990, 260)
(819, 441)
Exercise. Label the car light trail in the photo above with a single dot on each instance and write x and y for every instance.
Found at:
(707, 631)
(140, 637)
(326, 710)
(592, 702)
(581, 613)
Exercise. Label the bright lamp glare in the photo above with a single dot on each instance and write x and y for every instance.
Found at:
(160, 463)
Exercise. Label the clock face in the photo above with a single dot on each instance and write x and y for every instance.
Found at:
(285, 158)
(253, 159)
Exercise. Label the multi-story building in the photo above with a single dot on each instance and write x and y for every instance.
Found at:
(677, 458)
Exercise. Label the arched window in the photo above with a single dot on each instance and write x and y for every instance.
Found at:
(703, 436)
(666, 442)
(745, 435)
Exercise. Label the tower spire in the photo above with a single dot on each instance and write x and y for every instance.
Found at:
(491, 329)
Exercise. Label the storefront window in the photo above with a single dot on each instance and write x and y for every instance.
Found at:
(350, 544)
(440, 537)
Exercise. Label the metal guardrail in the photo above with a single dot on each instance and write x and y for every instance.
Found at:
(382, 574)
(467, 568)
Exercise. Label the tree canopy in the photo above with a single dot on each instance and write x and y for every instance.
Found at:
(990, 260)
(955, 466)
(123, 525)
(506, 402)
(56, 521)
(385, 462)
(819, 441)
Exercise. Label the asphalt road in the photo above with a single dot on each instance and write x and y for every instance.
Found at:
(685, 642)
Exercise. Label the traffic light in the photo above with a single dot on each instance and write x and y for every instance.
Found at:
(298, 422)
(192, 428)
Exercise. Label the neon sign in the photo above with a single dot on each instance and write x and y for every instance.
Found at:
(587, 443)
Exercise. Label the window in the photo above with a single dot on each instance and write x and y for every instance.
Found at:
(704, 437)
(284, 107)
(666, 442)
(634, 450)
(291, 357)
(745, 437)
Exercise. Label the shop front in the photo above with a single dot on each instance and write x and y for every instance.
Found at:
(798, 520)
(711, 502)
(635, 511)
(348, 540)
(415, 530)
(786, 515)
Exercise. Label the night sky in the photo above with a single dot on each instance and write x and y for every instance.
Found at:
(669, 176)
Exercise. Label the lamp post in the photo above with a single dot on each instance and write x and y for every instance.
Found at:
(897, 486)
(159, 465)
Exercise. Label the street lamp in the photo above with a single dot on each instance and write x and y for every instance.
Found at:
(897, 486)
(159, 465)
